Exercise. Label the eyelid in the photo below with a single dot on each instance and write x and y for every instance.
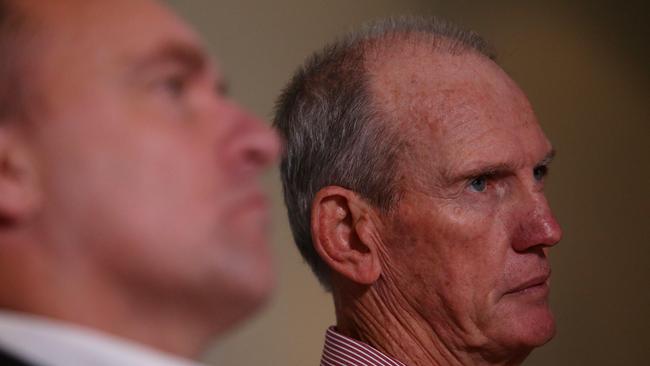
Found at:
(179, 78)
(222, 88)
(545, 171)
(169, 71)
(491, 174)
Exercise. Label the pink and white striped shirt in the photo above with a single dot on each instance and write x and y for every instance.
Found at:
(340, 350)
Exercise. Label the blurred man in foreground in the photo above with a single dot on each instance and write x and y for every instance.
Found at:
(414, 181)
(132, 225)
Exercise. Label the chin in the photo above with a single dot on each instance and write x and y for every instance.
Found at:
(259, 292)
(248, 300)
(234, 299)
(254, 287)
(538, 329)
(529, 328)
(523, 328)
(515, 332)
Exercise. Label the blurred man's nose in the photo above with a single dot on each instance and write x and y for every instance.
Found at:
(257, 145)
(537, 224)
(263, 145)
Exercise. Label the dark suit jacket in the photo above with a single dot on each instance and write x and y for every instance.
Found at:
(9, 360)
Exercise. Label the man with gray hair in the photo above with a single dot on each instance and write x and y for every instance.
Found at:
(414, 180)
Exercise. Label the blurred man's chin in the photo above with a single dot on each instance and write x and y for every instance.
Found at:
(254, 286)
(250, 297)
(260, 289)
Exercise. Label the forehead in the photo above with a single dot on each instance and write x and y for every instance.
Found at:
(110, 19)
(455, 107)
(98, 33)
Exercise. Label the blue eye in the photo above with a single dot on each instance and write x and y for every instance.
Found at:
(479, 184)
(540, 172)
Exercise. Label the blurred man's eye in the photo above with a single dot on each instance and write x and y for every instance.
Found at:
(173, 85)
(221, 88)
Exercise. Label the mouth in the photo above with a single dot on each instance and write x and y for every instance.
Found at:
(538, 283)
(257, 200)
(252, 204)
(257, 205)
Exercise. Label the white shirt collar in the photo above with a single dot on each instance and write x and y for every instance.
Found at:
(49, 342)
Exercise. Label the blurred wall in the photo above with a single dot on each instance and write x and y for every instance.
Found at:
(584, 66)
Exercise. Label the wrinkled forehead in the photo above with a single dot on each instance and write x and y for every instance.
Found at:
(455, 111)
(432, 94)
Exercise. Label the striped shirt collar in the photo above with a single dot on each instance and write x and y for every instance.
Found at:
(340, 350)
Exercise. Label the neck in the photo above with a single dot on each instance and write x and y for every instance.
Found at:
(83, 298)
(381, 318)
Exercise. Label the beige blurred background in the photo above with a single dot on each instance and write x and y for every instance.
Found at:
(584, 65)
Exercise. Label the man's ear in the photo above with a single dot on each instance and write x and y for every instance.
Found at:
(344, 233)
(18, 191)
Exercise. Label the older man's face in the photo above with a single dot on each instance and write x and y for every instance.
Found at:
(468, 244)
(148, 172)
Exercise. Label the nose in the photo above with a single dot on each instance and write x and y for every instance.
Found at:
(538, 227)
(257, 145)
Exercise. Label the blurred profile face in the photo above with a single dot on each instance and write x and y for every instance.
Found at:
(148, 170)
(468, 243)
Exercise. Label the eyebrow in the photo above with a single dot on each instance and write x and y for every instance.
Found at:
(548, 158)
(188, 55)
(497, 168)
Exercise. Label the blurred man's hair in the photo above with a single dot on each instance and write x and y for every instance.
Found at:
(13, 63)
(336, 134)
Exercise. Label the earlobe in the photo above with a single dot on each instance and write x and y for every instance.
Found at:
(338, 217)
(18, 195)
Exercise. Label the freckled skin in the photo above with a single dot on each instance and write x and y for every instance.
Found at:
(452, 254)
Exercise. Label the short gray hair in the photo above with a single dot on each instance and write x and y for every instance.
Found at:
(335, 133)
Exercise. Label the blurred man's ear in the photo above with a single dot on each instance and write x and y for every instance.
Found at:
(18, 191)
(345, 234)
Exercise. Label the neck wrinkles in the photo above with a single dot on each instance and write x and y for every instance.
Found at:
(382, 318)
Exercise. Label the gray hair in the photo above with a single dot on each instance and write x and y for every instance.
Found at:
(13, 62)
(334, 132)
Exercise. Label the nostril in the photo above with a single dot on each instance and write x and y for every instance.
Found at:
(257, 158)
(260, 149)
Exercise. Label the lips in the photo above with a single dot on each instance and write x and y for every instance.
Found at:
(246, 198)
(539, 281)
(256, 201)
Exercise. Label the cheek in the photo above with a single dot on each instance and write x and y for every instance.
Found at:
(477, 248)
(146, 182)
(179, 190)
(156, 205)
(453, 252)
